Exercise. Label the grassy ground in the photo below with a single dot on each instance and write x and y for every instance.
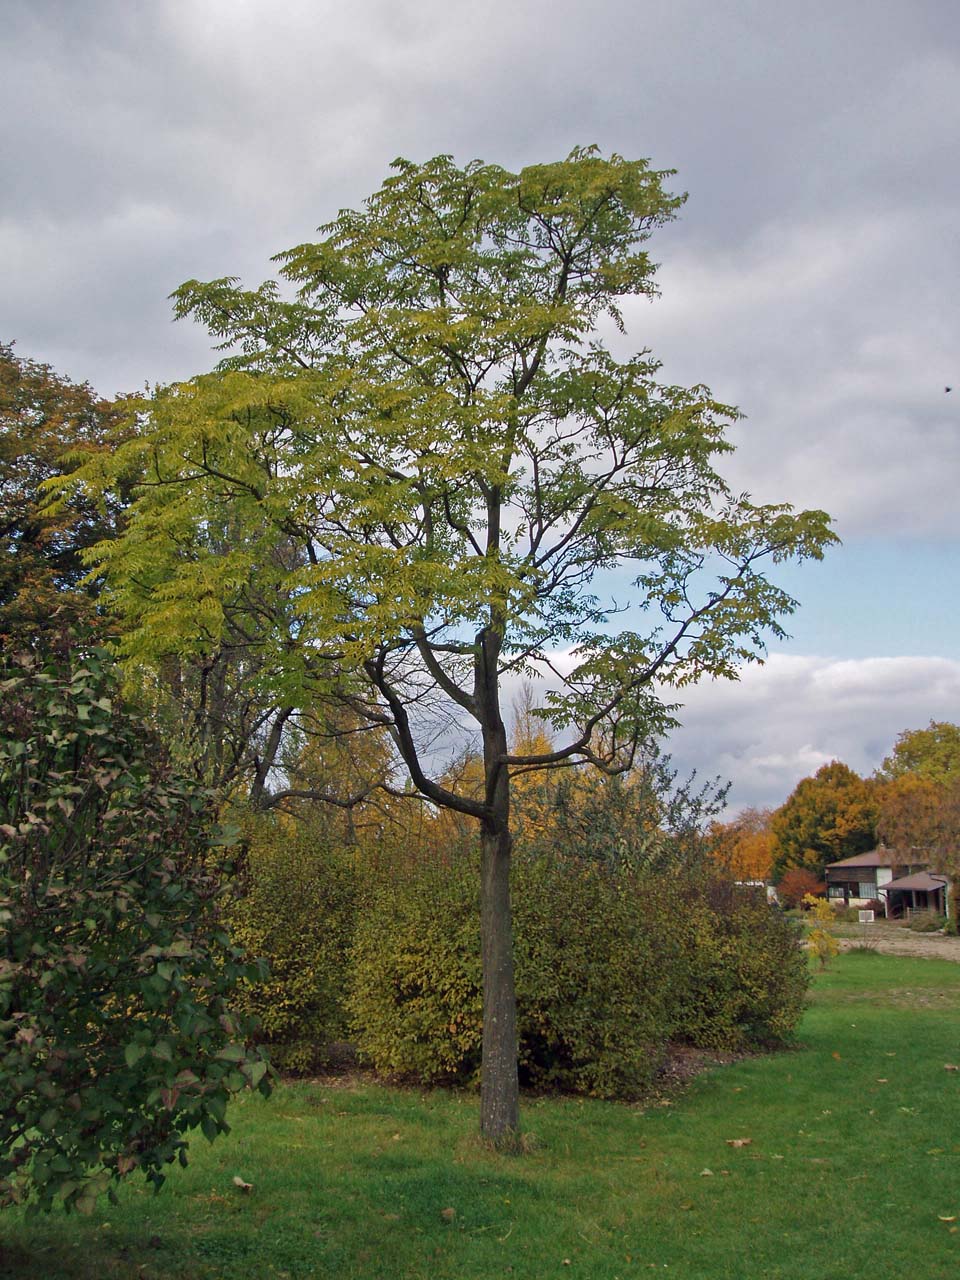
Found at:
(852, 1168)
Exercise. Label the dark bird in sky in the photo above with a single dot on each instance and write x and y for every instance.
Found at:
(948, 388)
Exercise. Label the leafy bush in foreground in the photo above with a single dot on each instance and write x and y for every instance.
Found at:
(115, 973)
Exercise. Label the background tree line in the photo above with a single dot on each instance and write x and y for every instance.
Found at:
(911, 804)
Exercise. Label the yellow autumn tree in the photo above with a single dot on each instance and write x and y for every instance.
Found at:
(744, 847)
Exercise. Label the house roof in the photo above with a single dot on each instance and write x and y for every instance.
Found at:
(919, 880)
(875, 858)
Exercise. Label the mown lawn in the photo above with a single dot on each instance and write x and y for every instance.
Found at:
(852, 1168)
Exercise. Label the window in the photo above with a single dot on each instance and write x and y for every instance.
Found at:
(867, 889)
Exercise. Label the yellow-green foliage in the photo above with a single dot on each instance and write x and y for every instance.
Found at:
(415, 1000)
(743, 977)
(822, 942)
(594, 962)
(297, 911)
(608, 968)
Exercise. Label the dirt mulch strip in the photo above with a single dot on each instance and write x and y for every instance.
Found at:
(903, 942)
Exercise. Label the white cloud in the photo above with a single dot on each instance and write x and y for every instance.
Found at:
(783, 720)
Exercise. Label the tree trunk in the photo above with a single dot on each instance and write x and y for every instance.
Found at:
(263, 764)
(499, 1088)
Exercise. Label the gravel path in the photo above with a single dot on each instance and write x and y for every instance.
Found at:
(897, 941)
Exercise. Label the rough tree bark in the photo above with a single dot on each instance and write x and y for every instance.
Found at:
(499, 1089)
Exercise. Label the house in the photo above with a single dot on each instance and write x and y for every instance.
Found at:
(922, 891)
(881, 876)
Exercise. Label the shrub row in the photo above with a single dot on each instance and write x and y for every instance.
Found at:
(298, 911)
(609, 967)
(592, 996)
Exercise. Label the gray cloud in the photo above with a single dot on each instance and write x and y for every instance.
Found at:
(811, 278)
(837, 337)
(782, 721)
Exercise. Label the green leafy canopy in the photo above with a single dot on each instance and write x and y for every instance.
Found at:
(428, 441)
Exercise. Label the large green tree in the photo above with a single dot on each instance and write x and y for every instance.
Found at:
(932, 753)
(828, 817)
(435, 426)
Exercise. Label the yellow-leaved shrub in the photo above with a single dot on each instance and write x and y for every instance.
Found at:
(609, 968)
(297, 911)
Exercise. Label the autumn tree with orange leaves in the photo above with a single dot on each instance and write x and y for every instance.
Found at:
(920, 803)
(47, 424)
(828, 817)
(744, 847)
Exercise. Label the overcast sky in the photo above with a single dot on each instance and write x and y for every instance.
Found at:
(812, 278)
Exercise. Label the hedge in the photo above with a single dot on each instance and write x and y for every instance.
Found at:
(297, 911)
(609, 968)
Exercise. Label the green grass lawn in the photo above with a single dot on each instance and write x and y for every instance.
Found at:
(853, 1162)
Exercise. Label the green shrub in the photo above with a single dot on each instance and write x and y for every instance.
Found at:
(608, 968)
(595, 952)
(926, 922)
(415, 1001)
(744, 976)
(115, 971)
(298, 912)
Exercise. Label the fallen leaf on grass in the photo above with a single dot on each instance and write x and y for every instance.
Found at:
(950, 1066)
(882, 1080)
(836, 1055)
(245, 1187)
(947, 1217)
(706, 1173)
(448, 1215)
(739, 1142)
